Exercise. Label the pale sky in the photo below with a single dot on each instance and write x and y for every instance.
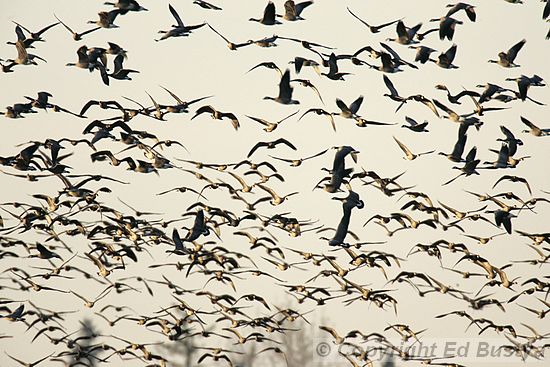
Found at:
(201, 65)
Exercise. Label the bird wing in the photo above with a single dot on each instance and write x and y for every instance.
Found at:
(285, 90)
(403, 147)
(528, 123)
(390, 86)
(269, 13)
(286, 142)
(176, 16)
(513, 51)
(301, 6)
(173, 95)
(204, 109)
(255, 147)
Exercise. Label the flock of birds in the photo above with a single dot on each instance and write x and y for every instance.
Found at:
(111, 260)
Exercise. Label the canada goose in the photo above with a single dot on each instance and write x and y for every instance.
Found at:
(514, 179)
(483, 240)
(490, 90)
(298, 162)
(83, 59)
(373, 28)
(100, 104)
(232, 46)
(206, 5)
(415, 126)
(502, 159)
(408, 154)
(35, 363)
(321, 112)
(405, 35)
(300, 62)
(293, 10)
(126, 5)
(266, 41)
(420, 98)
(395, 58)
(348, 203)
(45, 253)
(23, 57)
(458, 149)
(268, 17)
(447, 27)
(456, 98)
(34, 36)
(119, 72)
(333, 72)
(349, 112)
(394, 94)
(309, 84)
(179, 30)
(268, 64)
(534, 129)
(270, 126)
(285, 91)
(506, 59)
(524, 83)
(468, 9)
(218, 115)
(270, 145)
(445, 59)
(504, 217)
(469, 167)
(511, 140)
(388, 64)
(422, 53)
(76, 36)
(106, 19)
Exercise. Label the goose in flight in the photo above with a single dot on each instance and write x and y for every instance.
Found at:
(468, 9)
(506, 59)
(408, 154)
(373, 28)
(180, 29)
(333, 72)
(445, 59)
(298, 162)
(232, 46)
(447, 27)
(218, 115)
(321, 112)
(455, 99)
(23, 57)
(76, 36)
(534, 129)
(206, 5)
(119, 72)
(293, 11)
(270, 145)
(349, 112)
(285, 91)
(415, 126)
(126, 5)
(106, 19)
(268, 17)
(405, 35)
(267, 64)
(270, 126)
